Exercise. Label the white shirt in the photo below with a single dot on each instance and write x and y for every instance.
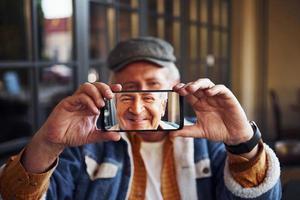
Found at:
(152, 155)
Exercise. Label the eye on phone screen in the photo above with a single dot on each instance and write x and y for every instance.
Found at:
(150, 110)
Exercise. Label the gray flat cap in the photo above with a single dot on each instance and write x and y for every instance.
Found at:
(150, 49)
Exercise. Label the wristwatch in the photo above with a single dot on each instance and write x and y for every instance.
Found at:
(247, 146)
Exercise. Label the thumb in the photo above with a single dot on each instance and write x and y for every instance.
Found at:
(189, 131)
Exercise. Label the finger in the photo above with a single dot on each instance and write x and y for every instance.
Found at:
(188, 131)
(219, 90)
(104, 90)
(99, 135)
(182, 90)
(192, 87)
(91, 91)
(116, 87)
(178, 86)
(202, 84)
(83, 101)
(199, 93)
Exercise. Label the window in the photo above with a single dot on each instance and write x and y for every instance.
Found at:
(164, 21)
(15, 28)
(110, 22)
(37, 64)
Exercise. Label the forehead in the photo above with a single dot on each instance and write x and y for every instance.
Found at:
(141, 71)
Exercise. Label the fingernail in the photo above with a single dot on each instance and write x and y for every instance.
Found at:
(187, 85)
(180, 85)
(108, 93)
(102, 104)
(99, 102)
(96, 111)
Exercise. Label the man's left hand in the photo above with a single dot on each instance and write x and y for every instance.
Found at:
(220, 116)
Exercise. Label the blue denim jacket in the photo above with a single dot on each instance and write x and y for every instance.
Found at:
(104, 170)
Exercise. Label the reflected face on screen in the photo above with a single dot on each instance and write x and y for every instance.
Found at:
(140, 110)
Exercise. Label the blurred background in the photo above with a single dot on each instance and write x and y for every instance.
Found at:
(49, 47)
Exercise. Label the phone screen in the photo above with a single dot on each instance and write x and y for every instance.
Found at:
(148, 110)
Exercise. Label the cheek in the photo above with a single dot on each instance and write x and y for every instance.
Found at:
(155, 111)
(121, 109)
(159, 109)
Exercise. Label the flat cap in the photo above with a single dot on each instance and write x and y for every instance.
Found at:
(150, 49)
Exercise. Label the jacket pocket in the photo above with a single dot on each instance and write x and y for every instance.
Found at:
(102, 170)
(203, 169)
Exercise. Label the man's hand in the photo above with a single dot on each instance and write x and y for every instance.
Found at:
(71, 123)
(220, 117)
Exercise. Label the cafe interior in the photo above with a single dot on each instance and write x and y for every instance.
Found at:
(49, 47)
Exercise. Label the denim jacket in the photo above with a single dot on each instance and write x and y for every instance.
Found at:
(104, 171)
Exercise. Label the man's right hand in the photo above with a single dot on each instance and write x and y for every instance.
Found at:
(71, 123)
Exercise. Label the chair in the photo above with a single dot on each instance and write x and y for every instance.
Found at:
(15, 128)
(281, 133)
(287, 141)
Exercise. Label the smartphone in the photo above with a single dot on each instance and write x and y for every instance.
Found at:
(143, 110)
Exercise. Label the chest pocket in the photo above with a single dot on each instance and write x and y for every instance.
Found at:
(103, 170)
(203, 169)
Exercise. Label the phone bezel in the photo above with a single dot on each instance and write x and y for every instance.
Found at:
(181, 110)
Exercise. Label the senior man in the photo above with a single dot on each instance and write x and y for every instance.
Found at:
(192, 163)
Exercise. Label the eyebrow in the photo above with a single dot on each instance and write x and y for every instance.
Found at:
(130, 83)
(151, 94)
(153, 79)
(125, 95)
(142, 94)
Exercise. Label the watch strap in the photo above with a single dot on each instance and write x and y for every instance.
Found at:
(247, 146)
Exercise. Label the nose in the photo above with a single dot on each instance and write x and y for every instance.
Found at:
(137, 106)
